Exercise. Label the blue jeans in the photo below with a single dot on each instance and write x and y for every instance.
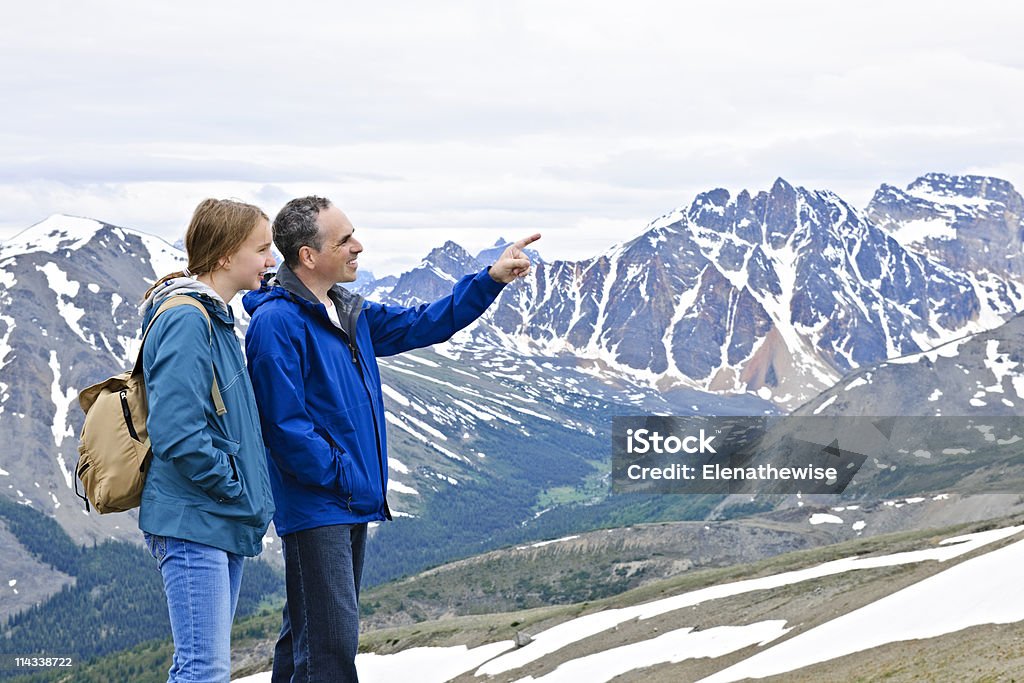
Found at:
(201, 583)
(320, 625)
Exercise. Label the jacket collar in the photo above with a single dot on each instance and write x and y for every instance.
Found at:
(192, 287)
(348, 304)
(214, 307)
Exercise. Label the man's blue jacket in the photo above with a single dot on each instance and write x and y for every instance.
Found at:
(319, 395)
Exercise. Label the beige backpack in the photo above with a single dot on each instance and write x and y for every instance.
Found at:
(114, 449)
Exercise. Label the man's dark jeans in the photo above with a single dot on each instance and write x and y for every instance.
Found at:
(320, 630)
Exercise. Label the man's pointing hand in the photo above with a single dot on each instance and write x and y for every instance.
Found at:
(513, 262)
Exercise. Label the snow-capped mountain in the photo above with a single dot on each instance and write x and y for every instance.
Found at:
(779, 293)
(970, 223)
(979, 374)
(69, 291)
(975, 225)
(434, 276)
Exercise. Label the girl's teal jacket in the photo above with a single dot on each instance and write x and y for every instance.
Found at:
(208, 479)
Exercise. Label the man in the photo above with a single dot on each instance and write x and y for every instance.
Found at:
(312, 349)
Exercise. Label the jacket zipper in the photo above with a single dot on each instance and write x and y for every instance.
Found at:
(354, 319)
(376, 432)
(350, 341)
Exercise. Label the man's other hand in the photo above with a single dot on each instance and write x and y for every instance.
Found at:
(513, 262)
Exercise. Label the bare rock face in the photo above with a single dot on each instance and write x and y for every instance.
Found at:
(969, 223)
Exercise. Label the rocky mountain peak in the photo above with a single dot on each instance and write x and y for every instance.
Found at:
(435, 275)
(969, 223)
(450, 258)
(59, 231)
(960, 187)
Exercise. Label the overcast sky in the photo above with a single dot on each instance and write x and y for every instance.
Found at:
(428, 121)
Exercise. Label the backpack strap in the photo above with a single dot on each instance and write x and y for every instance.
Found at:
(173, 302)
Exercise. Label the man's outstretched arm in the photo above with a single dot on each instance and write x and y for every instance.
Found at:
(395, 329)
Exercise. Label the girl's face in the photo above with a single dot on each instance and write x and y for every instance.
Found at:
(246, 266)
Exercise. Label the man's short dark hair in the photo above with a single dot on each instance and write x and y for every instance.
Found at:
(295, 227)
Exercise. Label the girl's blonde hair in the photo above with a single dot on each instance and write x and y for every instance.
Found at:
(218, 228)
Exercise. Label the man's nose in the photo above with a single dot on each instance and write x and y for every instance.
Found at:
(357, 246)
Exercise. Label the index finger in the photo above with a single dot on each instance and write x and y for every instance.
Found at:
(528, 240)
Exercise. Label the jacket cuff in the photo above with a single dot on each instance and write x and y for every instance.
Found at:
(491, 285)
(224, 494)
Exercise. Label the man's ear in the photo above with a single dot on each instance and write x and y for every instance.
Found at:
(306, 257)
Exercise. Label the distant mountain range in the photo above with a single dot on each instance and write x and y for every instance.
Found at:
(732, 305)
(779, 293)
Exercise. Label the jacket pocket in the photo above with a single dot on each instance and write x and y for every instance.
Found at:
(357, 464)
(344, 472)
(227, 490)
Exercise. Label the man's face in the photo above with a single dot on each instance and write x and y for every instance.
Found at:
(339, 250)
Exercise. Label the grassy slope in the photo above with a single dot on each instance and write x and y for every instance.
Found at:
(966, 655)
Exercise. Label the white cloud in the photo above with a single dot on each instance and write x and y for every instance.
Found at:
(478, 119)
